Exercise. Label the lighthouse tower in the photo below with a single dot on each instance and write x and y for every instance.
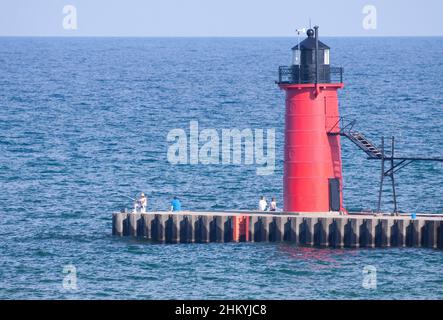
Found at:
(312, 161)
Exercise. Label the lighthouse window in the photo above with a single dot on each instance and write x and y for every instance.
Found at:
(296, 58)
(321, 56)
(326, 56)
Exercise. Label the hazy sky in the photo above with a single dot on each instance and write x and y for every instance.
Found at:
(219, 17)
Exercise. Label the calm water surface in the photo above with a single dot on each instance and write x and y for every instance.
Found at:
(83, 122)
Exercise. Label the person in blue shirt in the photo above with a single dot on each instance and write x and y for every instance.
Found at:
(176, 205)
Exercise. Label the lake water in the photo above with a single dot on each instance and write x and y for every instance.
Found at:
(83, 123)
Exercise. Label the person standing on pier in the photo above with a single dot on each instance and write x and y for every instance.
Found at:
(176, 205)
(262, 204)
(143, 203)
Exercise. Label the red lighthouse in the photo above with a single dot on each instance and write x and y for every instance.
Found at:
(312, 164)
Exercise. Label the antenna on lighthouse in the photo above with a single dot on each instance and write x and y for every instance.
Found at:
(299, 32)
(298, 56)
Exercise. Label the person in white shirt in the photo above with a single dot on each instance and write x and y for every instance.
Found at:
(262, 204)
(143, 202)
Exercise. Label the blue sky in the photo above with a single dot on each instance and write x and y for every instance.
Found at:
(219, 17)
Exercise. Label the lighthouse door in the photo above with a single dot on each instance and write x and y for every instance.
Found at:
(334, 194)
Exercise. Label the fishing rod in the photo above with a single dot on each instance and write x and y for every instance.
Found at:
(123, 195)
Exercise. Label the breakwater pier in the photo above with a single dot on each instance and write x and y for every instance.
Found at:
(310, 229)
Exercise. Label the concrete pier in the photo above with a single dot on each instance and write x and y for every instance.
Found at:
(319, 230)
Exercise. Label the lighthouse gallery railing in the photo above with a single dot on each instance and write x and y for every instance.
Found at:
(291, 75)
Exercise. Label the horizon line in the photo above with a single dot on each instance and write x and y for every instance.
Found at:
(215, 36)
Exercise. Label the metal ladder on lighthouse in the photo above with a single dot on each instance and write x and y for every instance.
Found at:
(364, 144)
(376, 153)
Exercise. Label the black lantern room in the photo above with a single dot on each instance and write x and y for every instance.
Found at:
(310, 63)
(305, 67)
